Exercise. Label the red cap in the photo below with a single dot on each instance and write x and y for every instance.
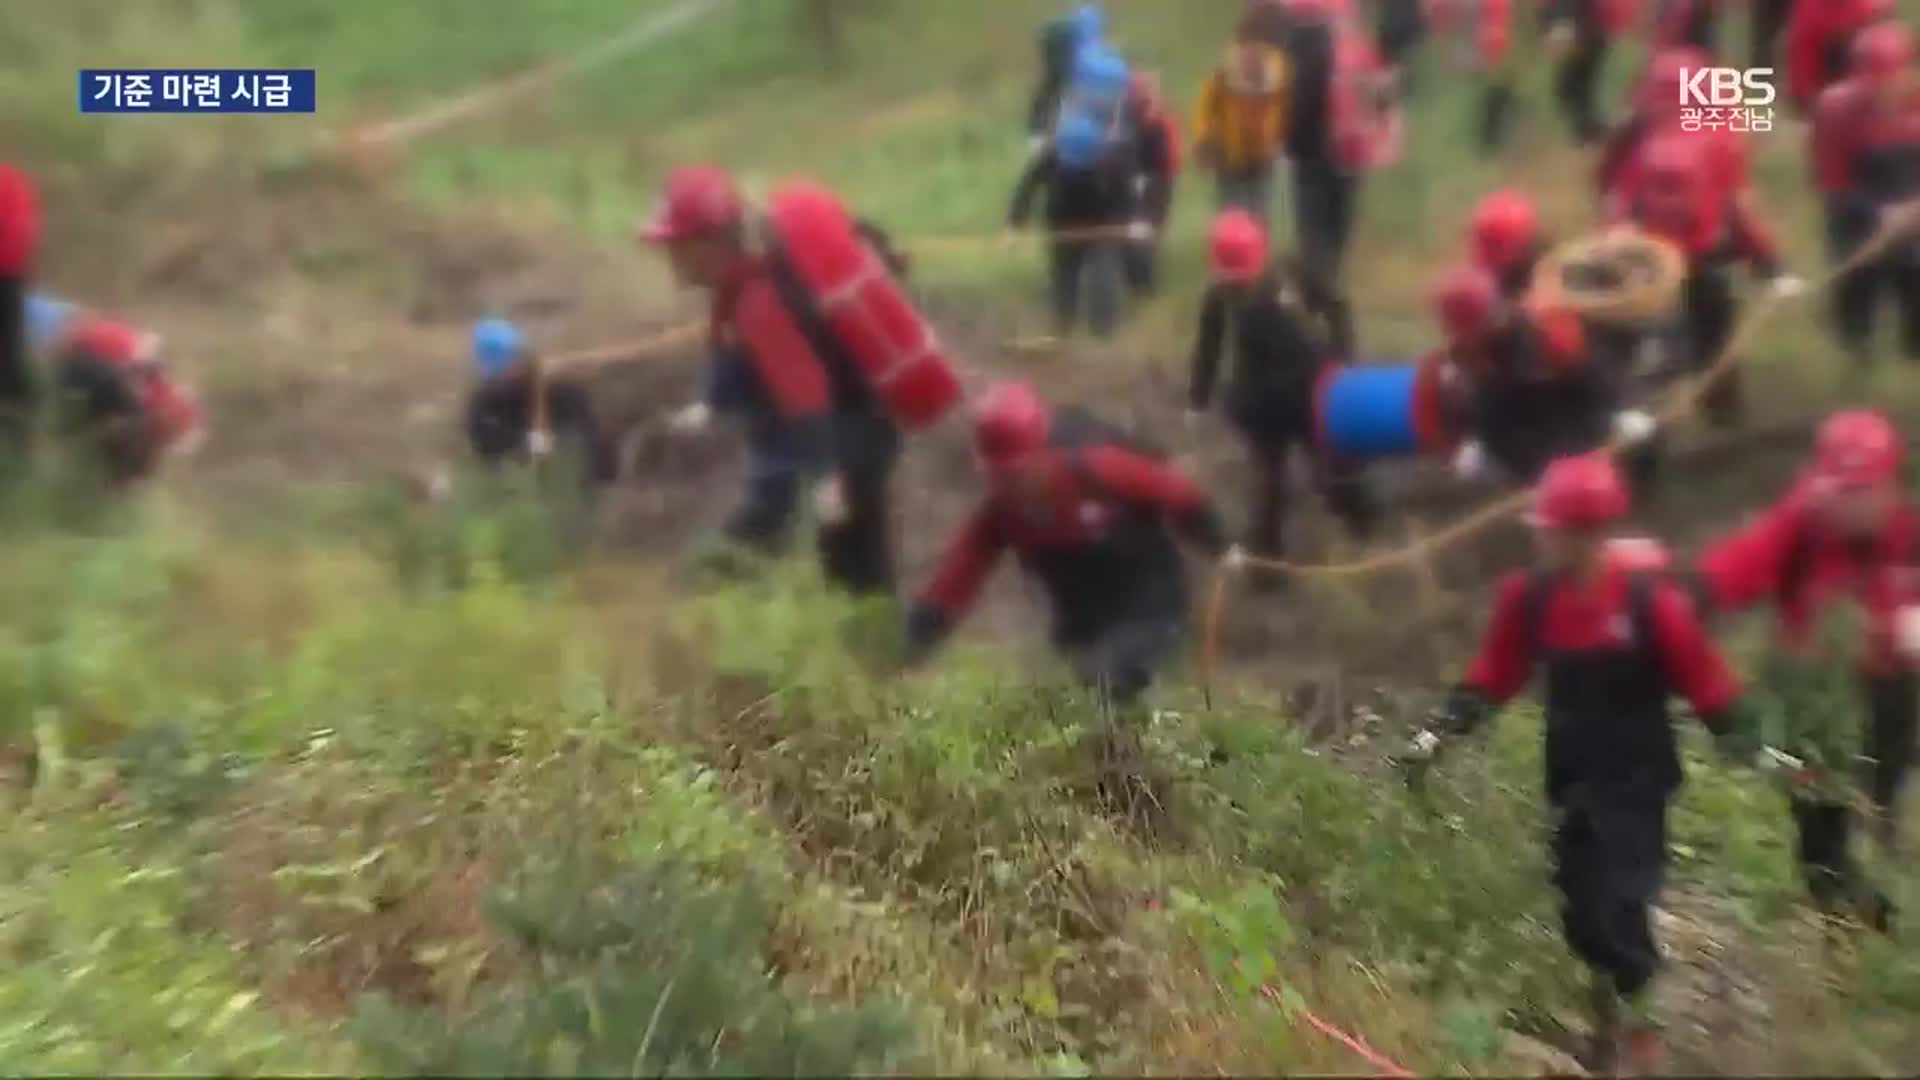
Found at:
(1504, 229)
(1012, 422)
(1857, 449)
(1882, 51)
(1580, 492)
(1666, 74)
(1239, 247)
(1465, 301)
(698, 199)
(19, 222)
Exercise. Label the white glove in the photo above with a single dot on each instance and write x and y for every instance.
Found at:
(830, 502)
(539, 443)
(1787, 286)
(1140, 231)
(1235, 560)
(1139, 185)
(1633, 425)
(692, 419)
(1470, 462)
(1193, 418)
(439, 485)
(1036, 143)
(1906, 631)
(1423, 746)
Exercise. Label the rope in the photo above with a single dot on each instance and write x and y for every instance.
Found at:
(1384, 1065)
(1686, 397)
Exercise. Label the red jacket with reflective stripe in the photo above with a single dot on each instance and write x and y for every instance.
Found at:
(748, 314)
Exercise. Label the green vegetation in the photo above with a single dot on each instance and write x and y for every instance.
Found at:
(325, 781)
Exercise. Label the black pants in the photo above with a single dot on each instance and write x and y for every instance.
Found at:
(1343, 484)
(1769, 19)
(1856, 293)
(1119, 661)
(1142, 257)
(1326, 204)
(1610, 856)
(1496, 109)
(1825, 828)
(1708, 310)
(16, 378)
(857, 554)
(1402, 27)
(1093, 269)
(1576, 85)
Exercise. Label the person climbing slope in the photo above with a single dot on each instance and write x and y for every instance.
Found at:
(1240, 126)
(1842, 536)
(1093, 516)
(519, 412)
(1614, 644)
(19, 244)
(1091, 214)
(1279, 359)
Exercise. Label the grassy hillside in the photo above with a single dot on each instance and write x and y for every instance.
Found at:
(325, 781)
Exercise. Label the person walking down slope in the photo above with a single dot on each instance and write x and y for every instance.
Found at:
(1093, 516)
(517, 412)
(1614, 643)
(1279, 359)
(1240, 127)
(1842, 537)
(1091, 214)
(19, 244)
(1866, 157)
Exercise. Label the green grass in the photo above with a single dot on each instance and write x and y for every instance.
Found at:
(329, 784)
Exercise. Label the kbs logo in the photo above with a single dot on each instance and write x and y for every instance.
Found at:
(1732, 99)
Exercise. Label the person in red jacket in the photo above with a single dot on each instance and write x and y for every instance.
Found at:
(1157, 165)
(19, 243)
(809, 418)
(1820, 40)
(1675, 190)
(1615, 643)
(1534, 393)
(110, 393)
(1866, 156)
(1094, 519)
(1842, 535)
(1657, 110)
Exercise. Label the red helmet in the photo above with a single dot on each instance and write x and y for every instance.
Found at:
(1857, 448)
(1504, 228)
(1580, 492)
(1661, 87)
(19, 222)
(698, 199)
(1465, 301)
(112, 341)
(1239, 247)
(1882, 51)
(1011, 422)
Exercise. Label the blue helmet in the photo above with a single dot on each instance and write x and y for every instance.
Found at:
(1099, 70)
(1078, 140)
(497, 343)
(46, 318)
(1089, 24)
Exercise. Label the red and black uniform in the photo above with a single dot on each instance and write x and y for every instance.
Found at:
(1614, 650)
(1084, 204)
(1678, 190)
(1094, 520)
(1536, 395)
(1866, 154)
(808, 412)
(1279, 358)
(1157, 162)
(1819, 41)
(500, 413)
(1789, 559)
(19, 243)
(110, 393)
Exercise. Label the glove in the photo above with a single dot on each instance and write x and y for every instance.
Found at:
(1633, 426)
(927, 626)
(1036, 143)
(539, 443)
(830, 501)
(692, 419)
(1463, 712)
(1559, 39)
(1193, 418)
(1906, 631)
(1140, 231)
(1416, 759)
(1470, 462)
(1235, 560)
(1786, 286)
